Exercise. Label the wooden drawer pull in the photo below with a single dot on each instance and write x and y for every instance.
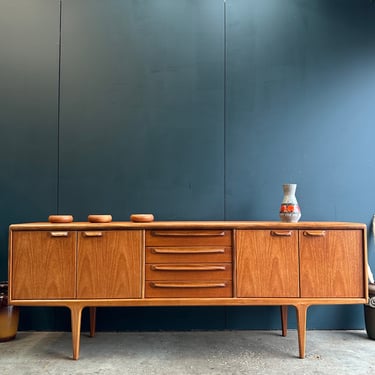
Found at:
(59, 234)
(188, 268)
(187, 251)
(93, 234)
(187, 285)
(187, 234)
(281, 234)
(314, 233)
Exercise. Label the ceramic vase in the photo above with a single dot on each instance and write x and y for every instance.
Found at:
(289, 209)
(9, 315)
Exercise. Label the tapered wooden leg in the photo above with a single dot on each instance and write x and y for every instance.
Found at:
(76, 314)
(92, 321)
(284, 320)
(301, 324)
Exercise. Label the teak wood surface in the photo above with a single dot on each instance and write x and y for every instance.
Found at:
(187, 263)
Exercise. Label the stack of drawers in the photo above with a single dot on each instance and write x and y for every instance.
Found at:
(188, 263)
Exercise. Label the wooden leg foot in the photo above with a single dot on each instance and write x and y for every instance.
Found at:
(92, 321)
(284, 320)
(301, 324)
(76, 314)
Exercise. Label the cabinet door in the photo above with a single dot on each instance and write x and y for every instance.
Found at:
(43, 264)
(267, 263)
(332, 263)
(109, 264)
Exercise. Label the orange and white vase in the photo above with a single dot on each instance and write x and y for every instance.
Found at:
(289, 209)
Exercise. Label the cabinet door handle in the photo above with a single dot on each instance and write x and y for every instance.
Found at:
(93, 234)
(314, 233)
(187, 268)
(187, 251)
(187, 285)
(281, 234)
(187, 234)
(59, 234)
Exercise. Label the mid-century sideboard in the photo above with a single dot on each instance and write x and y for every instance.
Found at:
(187, 263)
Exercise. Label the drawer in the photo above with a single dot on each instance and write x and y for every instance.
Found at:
(188, 237)
(188, 289)
(188, 254)
(194, 271)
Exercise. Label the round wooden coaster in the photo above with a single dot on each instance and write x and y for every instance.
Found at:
(99, 218)
(142, 218)
(60, 218)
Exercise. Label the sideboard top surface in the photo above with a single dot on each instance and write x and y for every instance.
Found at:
(187, 225)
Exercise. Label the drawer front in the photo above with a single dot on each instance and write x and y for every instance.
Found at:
(188, 289)
(188, 237)
(188, 254)
(194, 271)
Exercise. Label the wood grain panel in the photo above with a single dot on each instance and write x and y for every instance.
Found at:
(188, 289)
(267, 263)
(186, 254)
(109, 264)
(43, 264)
(332, 263)
(188, 237)
(194, 271)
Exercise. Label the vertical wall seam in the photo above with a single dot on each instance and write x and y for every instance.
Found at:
(58, 112)
(225, 107)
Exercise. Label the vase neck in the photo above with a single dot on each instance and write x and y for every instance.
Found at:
(289, 189)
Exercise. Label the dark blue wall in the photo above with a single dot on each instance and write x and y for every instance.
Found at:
(29, 61)
(142, 103)
(190, 110)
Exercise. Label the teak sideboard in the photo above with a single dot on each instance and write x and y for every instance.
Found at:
(187, 263)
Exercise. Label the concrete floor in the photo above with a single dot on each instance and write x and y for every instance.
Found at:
(189, 353)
